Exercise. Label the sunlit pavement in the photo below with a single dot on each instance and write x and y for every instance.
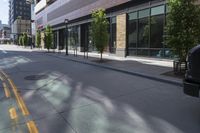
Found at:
(70, 97)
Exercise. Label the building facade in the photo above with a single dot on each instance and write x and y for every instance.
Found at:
(19, 17)
(5, 34)
(136, 26)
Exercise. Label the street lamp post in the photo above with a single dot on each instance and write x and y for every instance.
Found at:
(66, 34)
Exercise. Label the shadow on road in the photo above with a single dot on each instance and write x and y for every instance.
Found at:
(86, 99)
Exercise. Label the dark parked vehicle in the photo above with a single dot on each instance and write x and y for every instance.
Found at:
(192, 76)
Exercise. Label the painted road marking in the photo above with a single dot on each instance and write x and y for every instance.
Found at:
(21, 104)
(19, 99)
(32, 127)
(6, 90)
(13, 113)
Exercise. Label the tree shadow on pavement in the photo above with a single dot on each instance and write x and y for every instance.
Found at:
(88, 99)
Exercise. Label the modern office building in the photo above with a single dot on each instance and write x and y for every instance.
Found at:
(19, 17)
(3, 25)
(4, 33)
(136, 26)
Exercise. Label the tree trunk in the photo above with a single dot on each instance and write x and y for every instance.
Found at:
(101, 56)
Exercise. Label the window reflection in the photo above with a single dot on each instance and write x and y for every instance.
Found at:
(145, 32)
(73, 37)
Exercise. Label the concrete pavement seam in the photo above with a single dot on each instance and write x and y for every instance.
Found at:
(176, 83)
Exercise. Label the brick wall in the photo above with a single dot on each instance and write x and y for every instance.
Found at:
(121, 35)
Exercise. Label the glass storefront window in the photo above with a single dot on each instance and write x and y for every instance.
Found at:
(61, 39)
(157, 10)
(113, 31)
(133, 16)
(143, 28)
(113, 20)
(132, 31)
(54, 39)
(73, 37)
(145, 32)
(157, 29)
(144, 13)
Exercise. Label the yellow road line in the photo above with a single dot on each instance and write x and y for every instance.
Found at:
(32, 127)
(19, 99)
(13, 113)
(6, 90)
(31, 124)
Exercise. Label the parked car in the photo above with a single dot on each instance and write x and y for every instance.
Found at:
(192, 76)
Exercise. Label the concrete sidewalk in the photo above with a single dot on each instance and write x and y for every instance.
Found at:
(150, 68)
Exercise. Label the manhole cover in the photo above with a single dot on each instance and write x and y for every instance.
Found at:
(35, 77)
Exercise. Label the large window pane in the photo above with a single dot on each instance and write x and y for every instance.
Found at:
(54, 39)
(157, 27)
(144, 28)
(158, 10)
(133, 16)
(113, 35)
(132, 33)
(73, 38)
(144, 13)
(61, 39)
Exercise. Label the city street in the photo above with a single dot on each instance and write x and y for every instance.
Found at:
(47, 94)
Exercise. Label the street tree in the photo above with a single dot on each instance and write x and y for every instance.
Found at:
(20, 41)
(99, 30)
(183, 27)
(25, 39)
(48, 37)
(38, 39)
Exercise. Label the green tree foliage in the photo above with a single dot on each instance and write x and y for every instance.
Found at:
(183, 26)
(48, 37)
(20, 41)
(38, 39)
(99, 30)
(25, 39)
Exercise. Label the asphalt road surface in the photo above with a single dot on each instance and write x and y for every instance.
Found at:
(44, 94)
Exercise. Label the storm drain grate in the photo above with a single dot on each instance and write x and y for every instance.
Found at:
(36, 77)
